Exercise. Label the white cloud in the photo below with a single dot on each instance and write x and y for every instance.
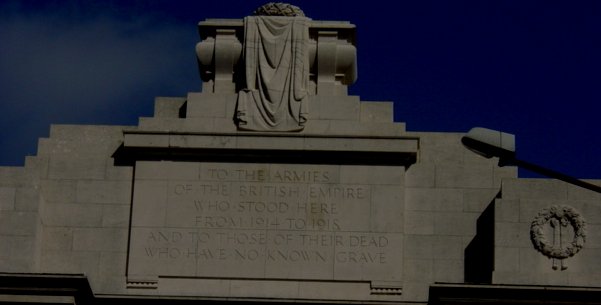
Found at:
(96, 70)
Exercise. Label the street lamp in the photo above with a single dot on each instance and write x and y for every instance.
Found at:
(492, 143)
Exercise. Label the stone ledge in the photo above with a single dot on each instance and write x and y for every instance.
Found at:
(271, 141)
(268, 147)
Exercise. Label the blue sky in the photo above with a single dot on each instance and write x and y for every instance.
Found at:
(532, 68)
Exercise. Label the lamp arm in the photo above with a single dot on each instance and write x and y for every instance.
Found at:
(549, 173)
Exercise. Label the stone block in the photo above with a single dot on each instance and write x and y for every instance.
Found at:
(507, 259)
(18, 223)
(476, 200)
(593, 233)
(27, 198)
(7, 198)
(148, 170)
(267, 142)
(204, 287)
(440, 147)
(206, 141)
(534, 189)
(507, 210)
(14, 246)
(100, 239)
(419, 247)
(77, 167)
(469, 157)
(377, 112)
(159, 124)
(502, 173)
(430, 199)
(60, 261)
(58, 191)
(37, 165)
(463, 176)
(168, 107)
(82, 139)
(346, 144)
(418, 270)
(119, 173)
(112, 264)
(109, 284)
(45, 147)
(103, 191)
(353, 128)
(72, 215)
(371, 174)
(16, 253)
(87, 133)
(533, 263)
(57, 238)
(13, 176)
(263, 289)
(154, 196)
(590, 210)
(333, 290)
(448, 270)
(455, 223)
(447, 247)
(416, 291)
(419, 223)
(146, 140)
(513, 235)
(347, 127)
(210, 105)
(580, 280)
(334, 108)
(223, 125)
(421, 175)
(583, 263)
(115, 216)
(530, 208)
(387, 207)
(579, 193)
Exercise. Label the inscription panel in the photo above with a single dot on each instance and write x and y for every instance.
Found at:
(259, 221)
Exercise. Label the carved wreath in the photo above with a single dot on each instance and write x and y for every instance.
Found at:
(278, 9)
(562, 216)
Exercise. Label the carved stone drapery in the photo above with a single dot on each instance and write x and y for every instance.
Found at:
(332, 56)
(275, 95)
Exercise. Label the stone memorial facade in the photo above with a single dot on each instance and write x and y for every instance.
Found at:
(273, 184)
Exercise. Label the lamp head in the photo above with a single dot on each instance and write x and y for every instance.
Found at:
(490, 143)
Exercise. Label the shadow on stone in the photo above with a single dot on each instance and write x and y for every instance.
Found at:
(479, 254)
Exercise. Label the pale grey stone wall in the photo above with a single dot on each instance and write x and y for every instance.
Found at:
(84, 202)
(516, 259)
(447, 190)
(68, 211)
(19, 218)
(95, 198)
